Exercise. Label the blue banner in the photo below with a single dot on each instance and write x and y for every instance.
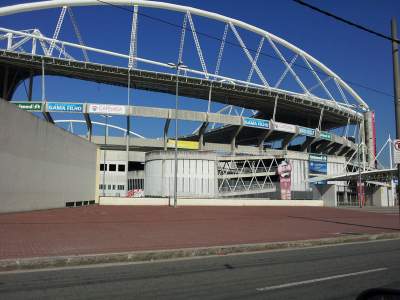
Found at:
(65, 107)
(306, 131)
(252, 122)
(325, 135)
(318, 164)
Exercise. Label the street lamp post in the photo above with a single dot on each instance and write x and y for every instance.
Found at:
(104, 155)
(177, 66)
(396, 78)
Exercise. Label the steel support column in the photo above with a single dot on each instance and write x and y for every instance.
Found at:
(5, 82)
(89, 126)
(201, 135)
(165, 136)
(30, 87)
(286, 141)
(233, 139)
(262, 139)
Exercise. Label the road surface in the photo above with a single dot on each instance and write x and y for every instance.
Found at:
(332, 272)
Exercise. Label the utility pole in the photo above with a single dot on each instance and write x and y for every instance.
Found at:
(395, 53)
(177, 66)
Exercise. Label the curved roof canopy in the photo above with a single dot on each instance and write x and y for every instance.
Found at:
(34, 6)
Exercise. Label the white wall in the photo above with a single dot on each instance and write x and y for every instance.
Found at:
(42, 166)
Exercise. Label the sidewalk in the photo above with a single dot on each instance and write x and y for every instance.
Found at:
(106, 229)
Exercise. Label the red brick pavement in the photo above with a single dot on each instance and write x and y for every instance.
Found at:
(102, 229)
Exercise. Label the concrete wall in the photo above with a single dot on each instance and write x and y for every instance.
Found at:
(382, 197)
(41, 165)
(196, 174)
(327, 193)
(207, 202)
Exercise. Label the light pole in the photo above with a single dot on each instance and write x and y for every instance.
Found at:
(177, 66)
(396, 78)
(104, 155)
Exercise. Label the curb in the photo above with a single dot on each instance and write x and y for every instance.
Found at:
(153, 255)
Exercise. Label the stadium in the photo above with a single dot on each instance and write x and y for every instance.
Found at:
(248, 114)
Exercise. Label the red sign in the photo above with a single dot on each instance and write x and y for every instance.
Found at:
(361, 193)
(374, 134)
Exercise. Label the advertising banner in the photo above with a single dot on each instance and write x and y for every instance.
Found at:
(285, 127)
(373, 133)
(191, 145)
(135, 193)
(29, 106)
(108, 109)
(284, 172)
(317, 164)
(65, 107)
(306, 131)
(253, 122)
(325, 135)
(361, 193)
(396, 151)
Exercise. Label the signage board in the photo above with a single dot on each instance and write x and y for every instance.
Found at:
(306, 131)
(373, 133)
(325, 135)
(253, 122)
(284, 172)
(29, 106)
(317, 164)
(191, 145)
(284, 127)
(396, 151)
(108, 109)
(65, 107)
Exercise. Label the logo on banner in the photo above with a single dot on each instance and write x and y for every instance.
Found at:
(284, 127)
(253, 122)
(306, 131)
(29, 106)
(318, 164)
(65, 107)
(107, 109)
(325, 135)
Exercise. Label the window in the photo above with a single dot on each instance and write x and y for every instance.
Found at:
(109, 186)
(112, 167)
(102, 167)
(102, 186)
(121, 168)
(113, 186)
(135, 166)
(121, 187)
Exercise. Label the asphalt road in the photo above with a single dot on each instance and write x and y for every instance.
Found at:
(334, 272)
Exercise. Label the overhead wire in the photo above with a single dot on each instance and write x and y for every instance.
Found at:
(386, 94)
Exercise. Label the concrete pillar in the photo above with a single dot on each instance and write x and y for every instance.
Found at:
(233, 140)
(286, 141)
(262, 138)
(370, 142)
(363, 149)
(30, 87)
(166, 127)
(382, 197)
(201, 135)
(5, 82)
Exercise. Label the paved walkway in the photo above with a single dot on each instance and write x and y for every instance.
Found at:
(384, 210)
(103, 229)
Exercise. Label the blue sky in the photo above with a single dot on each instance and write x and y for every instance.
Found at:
(354, 55)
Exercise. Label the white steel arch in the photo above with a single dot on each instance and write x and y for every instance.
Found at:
(101, 124)
(28, 7)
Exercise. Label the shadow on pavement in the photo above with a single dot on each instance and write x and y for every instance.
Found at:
(344, 223)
